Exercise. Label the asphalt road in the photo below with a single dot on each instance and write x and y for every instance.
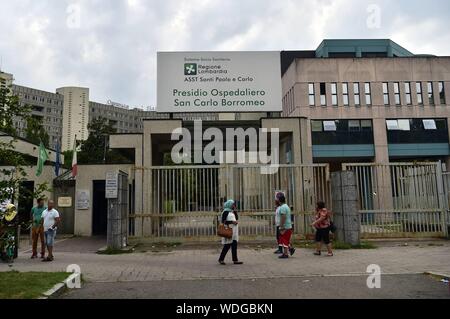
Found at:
(345, 287)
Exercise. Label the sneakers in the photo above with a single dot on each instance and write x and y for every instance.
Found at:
(238, 262)
(292, 251)
(317, 253)
(278, 252)
(284, 256)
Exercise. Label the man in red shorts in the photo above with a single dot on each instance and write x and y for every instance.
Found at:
(285, 219)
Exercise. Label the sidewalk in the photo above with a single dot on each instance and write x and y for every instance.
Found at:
(202, 264)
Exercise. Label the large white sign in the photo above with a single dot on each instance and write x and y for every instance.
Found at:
(219, 82)
(112, 185)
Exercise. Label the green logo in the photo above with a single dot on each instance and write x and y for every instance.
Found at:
(190, 69)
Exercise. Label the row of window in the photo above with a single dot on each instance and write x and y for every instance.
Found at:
(40, 99)
(399, 131)
(366, 125)
(367, 93)
(342, 126)
(418, 91)
(416, 125)
(334, 94)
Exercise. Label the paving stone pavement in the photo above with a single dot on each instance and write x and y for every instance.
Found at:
(201, 264)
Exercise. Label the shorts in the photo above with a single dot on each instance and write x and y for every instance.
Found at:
(323, 234)
(50, 237)
(285, 239)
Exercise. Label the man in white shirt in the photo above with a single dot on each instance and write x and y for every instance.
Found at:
(50, 221)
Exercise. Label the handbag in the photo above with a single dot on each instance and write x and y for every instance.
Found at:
(332, 228)
(224, 232)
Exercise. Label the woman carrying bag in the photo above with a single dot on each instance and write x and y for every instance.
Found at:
(230, 220)
(323, 225)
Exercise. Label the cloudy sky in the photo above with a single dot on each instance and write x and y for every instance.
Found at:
(110, 45)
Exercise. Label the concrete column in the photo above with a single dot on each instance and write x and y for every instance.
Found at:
(383, 173)
(345, 207)
(447, 159)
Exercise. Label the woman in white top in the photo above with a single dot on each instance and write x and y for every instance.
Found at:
(230, 219)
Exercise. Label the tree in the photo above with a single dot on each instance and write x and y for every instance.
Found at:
(95, 150)
(36, 132)
(12, 173)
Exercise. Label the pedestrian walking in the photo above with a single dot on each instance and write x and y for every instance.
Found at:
(279, 251)
(230, 219)
(50, 221)
(284, 214)
(37, 229)
(322, 224)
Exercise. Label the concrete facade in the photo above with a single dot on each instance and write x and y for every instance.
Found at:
(46, 106)
(75, 115)
(84, 182)
(7, 79)
(323, 73)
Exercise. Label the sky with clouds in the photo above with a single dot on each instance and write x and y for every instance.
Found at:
(110, 45)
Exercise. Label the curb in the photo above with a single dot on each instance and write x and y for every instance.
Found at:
(59, 288)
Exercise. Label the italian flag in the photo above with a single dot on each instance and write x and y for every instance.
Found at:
(74, 160)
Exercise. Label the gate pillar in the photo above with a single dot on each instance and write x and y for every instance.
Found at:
(345, 207)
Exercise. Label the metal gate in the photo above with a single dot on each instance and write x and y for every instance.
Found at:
(185, 201)
(401, 199)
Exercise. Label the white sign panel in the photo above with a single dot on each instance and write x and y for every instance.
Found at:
(112, 185)
(64, 202)
(219, 82)
(83, 200)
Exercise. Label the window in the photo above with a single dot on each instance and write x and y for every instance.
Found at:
(404, 125)
(368, 94)
(356, 94)
(408, 93)
(345, 94)
(329, 126)
(354, 126)
(386, 94)
(316, 126)
(397, 93)
(334, 97)
(429, 125)
(430, 93)
(312, 98)
(323, 94)
(392, 125)
(419, 93)
(441, 124)
(442, 93)
(366, 125)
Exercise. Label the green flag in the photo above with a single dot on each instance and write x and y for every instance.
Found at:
(43, 157)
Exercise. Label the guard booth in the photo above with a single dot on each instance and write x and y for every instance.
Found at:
(116, 193)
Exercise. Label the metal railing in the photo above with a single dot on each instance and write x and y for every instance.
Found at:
(401, 199)
(203, 225)
(385, 224)
(185, 201)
